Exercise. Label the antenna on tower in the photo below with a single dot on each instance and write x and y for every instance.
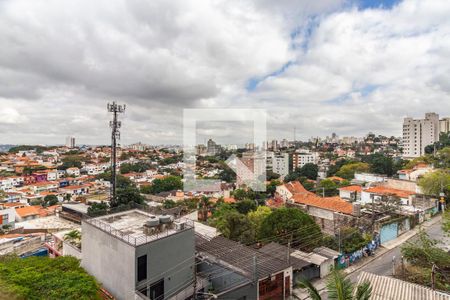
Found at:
(115, 109)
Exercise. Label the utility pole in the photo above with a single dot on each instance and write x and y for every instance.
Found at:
(288, 258)
(373, 213)
(115, 109)
(393, 265)
(339, 237)
(433, 273)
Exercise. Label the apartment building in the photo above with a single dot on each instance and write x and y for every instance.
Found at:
(137, 255)
(305, 157)
(444, 125)
(419, 133)
(280, 164)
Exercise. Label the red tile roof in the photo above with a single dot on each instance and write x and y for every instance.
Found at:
(295, 187)
(336, 178)
(28, 211)
(329, 203)
(352, 188)
(381, 190)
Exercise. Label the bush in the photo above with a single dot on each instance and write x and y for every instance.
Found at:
(46, 278)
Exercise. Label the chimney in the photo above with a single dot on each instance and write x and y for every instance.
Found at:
(356, 209)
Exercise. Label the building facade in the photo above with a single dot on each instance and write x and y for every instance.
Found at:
(419, 133)
(301, 159)
(135, 253)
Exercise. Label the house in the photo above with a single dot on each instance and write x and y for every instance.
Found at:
(73, 171)
(43, 186)
(301, 269)
(329, 213)
(75, 190)
(378, 193)
(7, 217)
(6, 183)
(351, 192)
(27, 213)
(241, 272)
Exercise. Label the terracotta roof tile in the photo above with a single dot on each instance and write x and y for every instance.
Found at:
(351, 188)
(381, 190)
(330, 203)
(28, 211)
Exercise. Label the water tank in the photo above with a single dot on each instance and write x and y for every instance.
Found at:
(153, 221)
(165, 219)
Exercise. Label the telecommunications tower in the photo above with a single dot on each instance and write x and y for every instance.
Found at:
(115, 109)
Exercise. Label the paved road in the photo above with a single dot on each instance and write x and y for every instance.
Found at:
(383, 264)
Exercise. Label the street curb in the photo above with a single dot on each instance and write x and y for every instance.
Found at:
(385, 250)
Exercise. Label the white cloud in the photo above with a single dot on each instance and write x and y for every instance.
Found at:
(350, 70)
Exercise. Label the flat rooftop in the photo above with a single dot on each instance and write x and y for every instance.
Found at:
(129, 226)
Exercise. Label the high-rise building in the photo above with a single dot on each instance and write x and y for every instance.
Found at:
(70, 142)
(280, 164)
(444, 125)
(419, 133)
(305, 157)
(212, 147)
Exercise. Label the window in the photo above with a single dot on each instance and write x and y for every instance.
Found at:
(142, 268)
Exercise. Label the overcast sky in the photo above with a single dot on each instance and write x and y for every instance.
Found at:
(344, 66)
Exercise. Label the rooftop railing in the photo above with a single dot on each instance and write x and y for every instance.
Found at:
(141, 239)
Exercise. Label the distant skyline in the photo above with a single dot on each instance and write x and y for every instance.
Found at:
(344, 66)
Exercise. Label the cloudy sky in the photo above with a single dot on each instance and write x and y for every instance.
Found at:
(344, 66)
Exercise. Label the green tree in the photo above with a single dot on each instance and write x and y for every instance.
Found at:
(446, 221)
(328, 187)
(205, 206)
(422, 254)
(257, 217)
(291, 224)
(168, 203)
(97, 209)
(442, 159)
(309, 171)
(272, 186)
(241, 194)
(435, 182)
(352, 239)
(348, 171)
(270, 175)
(73, 237)
(339, 288)
(126, 195)
(137, 167)
(245, 206)
(50, 200)
(166, 184)
(46, 278)
(71, 161)
(236, 227)
(380, 164)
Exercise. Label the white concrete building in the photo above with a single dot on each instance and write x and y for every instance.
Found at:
(70, 142)
(280, 164)
(134, 253)
(444, 125)
(303, 158)
(419, 133)
(73, 171)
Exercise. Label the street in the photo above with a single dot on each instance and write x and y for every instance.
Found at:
(383, 264)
